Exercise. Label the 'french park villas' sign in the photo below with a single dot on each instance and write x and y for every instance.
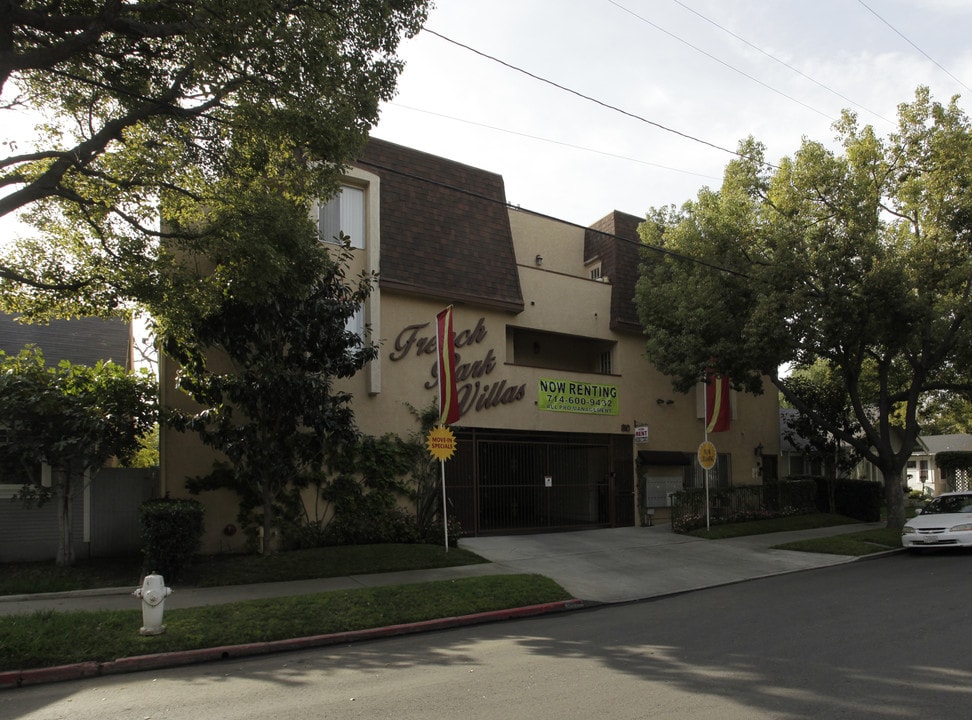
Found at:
(476, 390)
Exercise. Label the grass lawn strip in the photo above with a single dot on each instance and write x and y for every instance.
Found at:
(858, 544)
(38, 640)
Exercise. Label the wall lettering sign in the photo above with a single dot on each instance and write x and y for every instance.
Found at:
(475, 393)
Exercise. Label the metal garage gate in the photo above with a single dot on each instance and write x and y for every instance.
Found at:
(509, 482)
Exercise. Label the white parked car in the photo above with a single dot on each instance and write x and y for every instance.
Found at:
(946, 521)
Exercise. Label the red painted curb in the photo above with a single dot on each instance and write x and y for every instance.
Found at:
(19, 678)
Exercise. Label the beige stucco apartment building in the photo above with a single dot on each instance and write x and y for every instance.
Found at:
(564, 424)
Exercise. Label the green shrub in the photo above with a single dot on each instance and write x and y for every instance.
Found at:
(172, 531)
(369, 525)
(859, 499)
(433, 534)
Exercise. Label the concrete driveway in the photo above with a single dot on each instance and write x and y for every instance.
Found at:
(633, 563)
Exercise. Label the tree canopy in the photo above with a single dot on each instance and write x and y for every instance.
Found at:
(857, 259)
(273, 411)
(73, 418)
(944, 413)
(193, 104)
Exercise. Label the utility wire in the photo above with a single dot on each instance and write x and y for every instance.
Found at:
(555, 142)
(902, 35)
(721, 62)
(781, 62)
(585, 97)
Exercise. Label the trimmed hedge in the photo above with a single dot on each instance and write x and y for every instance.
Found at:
(859, 499)
(172, 531)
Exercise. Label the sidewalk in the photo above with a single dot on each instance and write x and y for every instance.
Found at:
(594, 566)
(121, 598)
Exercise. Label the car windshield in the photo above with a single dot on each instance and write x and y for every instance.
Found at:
(949, 504)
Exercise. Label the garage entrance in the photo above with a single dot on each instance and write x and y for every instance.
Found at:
(502, 482)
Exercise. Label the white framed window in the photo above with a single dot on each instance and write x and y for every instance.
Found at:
(356, 323)
(12, 480)
(356, 211)
(345, 212)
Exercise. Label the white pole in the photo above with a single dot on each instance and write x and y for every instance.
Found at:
(706, 484)
(445, 519)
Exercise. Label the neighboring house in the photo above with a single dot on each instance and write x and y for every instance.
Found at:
(796, 458)
(929, 474)
(105, 513)
(564, 424)
(799, 460)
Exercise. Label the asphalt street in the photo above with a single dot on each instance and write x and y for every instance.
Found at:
(879, 640)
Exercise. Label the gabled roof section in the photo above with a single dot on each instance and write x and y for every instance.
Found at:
(957, 442)
(445, 231)
(81, 341)
(615, 240)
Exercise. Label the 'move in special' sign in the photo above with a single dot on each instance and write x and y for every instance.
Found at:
(577, 397)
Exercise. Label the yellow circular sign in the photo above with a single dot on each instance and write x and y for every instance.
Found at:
(707, 455)
(441, 443)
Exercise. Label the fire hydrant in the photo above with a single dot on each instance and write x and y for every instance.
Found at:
(153, 594)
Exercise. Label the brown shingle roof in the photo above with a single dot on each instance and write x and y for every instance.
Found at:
(82, 341)
(445, 231)
(615, 240)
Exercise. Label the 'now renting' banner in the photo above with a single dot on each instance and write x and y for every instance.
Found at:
(577, 397)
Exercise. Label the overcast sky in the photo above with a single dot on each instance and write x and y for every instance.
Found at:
(716, 71)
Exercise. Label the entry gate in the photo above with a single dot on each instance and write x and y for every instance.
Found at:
(523, 482)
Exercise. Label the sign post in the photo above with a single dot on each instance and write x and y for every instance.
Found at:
(441, 441)
(718, 411)
(442, 445)
(707, 459)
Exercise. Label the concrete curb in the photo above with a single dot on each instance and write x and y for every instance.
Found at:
(21, 678)
(92, 592)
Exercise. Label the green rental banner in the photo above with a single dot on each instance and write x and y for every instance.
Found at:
(571, 396)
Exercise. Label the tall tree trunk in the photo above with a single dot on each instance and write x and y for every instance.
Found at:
(894, 496)
(267, 548)
(830, 477)
(64, 495)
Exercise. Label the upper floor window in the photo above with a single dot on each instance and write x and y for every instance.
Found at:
(606, 366)
(345, 212)
(356, 323)
(537, 348)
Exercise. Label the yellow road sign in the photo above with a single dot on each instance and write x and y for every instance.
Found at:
(707, 455)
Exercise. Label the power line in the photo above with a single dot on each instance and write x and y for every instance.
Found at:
(555, 142)
(906, 39)
(721, 62)
(781, 62)
(583, 96)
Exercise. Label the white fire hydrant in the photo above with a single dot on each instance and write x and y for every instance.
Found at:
(153, 594)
